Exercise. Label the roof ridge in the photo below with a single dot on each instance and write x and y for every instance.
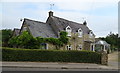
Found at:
(34, 20)
(67, 20)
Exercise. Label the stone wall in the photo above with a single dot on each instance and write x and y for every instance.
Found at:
(75, 41)
(104, 58)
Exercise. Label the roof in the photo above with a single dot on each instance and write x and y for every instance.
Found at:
(63, 23)
(101, 42)
(38, 28)
(16, 31)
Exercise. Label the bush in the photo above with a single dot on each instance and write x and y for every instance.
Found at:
(37, 55)
(25, 40)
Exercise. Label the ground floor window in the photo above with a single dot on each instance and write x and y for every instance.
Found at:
(69, 47)
(43, 46)
(80, 47)
(92, 47)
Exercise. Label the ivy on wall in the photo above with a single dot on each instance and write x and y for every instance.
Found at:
(26, 40)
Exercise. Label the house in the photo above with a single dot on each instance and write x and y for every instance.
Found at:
(16, 32)
(80, 36)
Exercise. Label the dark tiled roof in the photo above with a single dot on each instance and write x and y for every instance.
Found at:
(38, 28)
(63, 23)
(16, 32)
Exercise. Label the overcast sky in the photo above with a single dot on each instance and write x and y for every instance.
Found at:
(101, 15)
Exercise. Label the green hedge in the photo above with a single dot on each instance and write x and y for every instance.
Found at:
(37, 55)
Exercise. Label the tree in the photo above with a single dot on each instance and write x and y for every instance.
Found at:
(6, 35)
(25, 40)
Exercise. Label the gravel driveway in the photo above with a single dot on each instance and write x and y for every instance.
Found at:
(113, 60)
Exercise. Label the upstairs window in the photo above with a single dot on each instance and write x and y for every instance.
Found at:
(80, 32)
(68, 30)
(90, 34)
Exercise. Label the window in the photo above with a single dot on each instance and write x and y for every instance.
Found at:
(92, 47)
(80, 47)
(68, 30)
(80, 33)
(90, 34)
(68, 47)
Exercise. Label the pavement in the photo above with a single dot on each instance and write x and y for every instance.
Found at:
(51, 65)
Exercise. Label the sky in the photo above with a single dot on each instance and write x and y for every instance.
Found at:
(101, 15)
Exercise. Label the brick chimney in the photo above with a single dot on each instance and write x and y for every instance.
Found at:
(50, 13)
(84, 23)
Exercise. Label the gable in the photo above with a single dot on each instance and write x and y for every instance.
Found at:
(38, 29)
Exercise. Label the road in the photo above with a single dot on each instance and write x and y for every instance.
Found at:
(51, 69)
(38, 66)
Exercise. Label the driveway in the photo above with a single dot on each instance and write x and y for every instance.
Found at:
(113, 60)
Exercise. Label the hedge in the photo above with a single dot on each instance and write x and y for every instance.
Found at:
(37, 55)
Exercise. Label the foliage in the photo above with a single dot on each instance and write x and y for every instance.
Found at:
(63, 37)
(58, 42)
(13, 42)
(6, 35)
(37, 55)
(25, 40)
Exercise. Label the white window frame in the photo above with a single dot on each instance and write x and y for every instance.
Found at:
(90, 34)
(69, 47)
(80, 46)
(68, 31)
(80, 32)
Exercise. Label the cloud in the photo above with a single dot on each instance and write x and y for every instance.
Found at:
(101, 25)
(101, 15)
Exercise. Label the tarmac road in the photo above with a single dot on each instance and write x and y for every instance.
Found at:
(52, 69)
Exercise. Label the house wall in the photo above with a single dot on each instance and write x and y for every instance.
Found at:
(87, 45)
(51, 46)
(75, 41)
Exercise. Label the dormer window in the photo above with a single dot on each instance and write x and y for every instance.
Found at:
(80, 32)
(68, 30)
(90, 34)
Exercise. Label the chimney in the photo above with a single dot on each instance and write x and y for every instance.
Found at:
(85, 23)
(50, 13)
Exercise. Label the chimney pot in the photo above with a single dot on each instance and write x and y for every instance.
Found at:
(84, 23)
(50, 13)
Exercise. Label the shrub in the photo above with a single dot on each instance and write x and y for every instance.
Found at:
(37, 55)
(25, 40)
